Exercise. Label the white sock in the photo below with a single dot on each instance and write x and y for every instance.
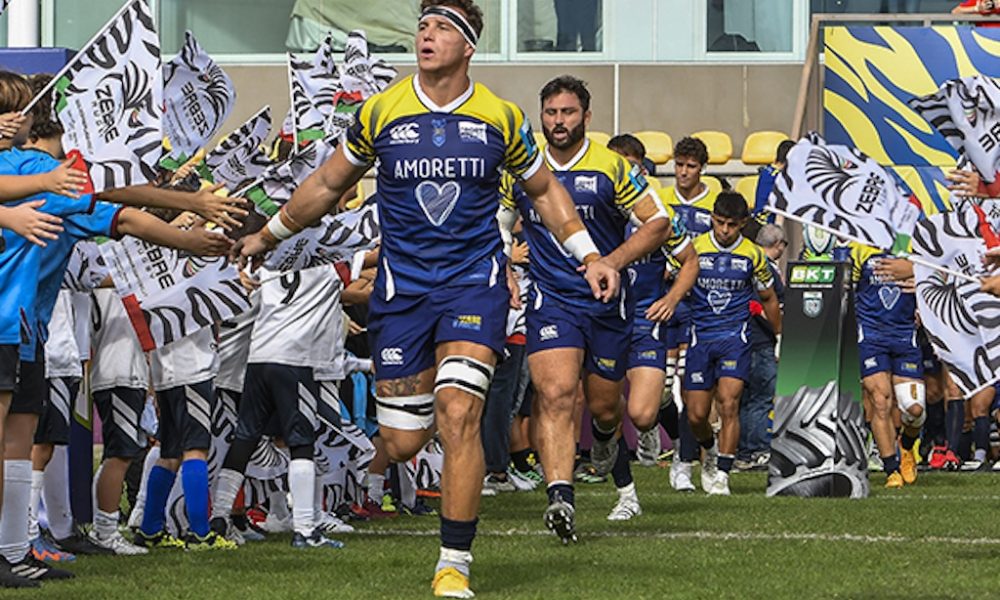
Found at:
(301, 482)
(55, 493)
(135, 516)
(227, 488)
(980, 455)
(93, 486)
(376, 486)
(14, 542)
(37, 477)
(318, 508)
(628, 490)
(105, 524)
(277, 503)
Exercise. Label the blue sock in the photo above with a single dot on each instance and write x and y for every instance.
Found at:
(725, 462)
(194, 480)
(890, 464)
(458, 535)
(158, 487)
(621, 472)
(564, 490)
(688, 443)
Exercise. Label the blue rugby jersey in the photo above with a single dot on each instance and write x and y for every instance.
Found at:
(694, 216)
(720, 299)
(605, 187)
(438, 176)
(881, 305)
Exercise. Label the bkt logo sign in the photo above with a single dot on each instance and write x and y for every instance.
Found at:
(392, 356)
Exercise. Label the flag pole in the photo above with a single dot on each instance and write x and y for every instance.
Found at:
(909, 256)
(55, 79)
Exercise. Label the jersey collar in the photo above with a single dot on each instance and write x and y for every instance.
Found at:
(572, 162)
(682, 200)
(720, 246)
(451, 106)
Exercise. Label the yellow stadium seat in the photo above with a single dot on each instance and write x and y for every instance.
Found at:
(659, 146)
(599, 137)
(761, 147)
(713, 184)
(720, 146)
(747, 187)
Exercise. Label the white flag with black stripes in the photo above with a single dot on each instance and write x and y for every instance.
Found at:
(336, 239)
(197, 97)
(240, 156)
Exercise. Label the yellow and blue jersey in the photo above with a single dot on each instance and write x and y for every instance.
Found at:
(694, 216)
(438, 176)
(720, 299)
(605, 188)
(881, 304)
(22, 264)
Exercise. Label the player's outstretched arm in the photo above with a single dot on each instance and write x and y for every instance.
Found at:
(555, 206)
(313, 199)
(217, 209)
(198, 240)
(29, 223)
(664, 308)
(653, 232)
(63, 180)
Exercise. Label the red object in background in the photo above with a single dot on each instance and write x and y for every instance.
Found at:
(989, 236)
(81, 165)
(756, 308)
(975, 4)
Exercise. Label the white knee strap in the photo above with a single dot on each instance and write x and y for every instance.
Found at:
(464, 373)
(671, 369)
(409, 413)
(908, 395)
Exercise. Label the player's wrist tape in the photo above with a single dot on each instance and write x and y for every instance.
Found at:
(278, 228)
(580, 245)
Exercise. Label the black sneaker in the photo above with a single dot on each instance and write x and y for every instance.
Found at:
(315, 540)
(77, 543)
(32, 568)
(9, 580)
(559, 517)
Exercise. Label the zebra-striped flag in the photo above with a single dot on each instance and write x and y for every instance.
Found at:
(964, 111)
(841, 190)
(361, 77)
(240, 156)
(960, 320)
(337, 238)
(169, 294)
(312, 99)
(276, 185)
(108, 99)
(197, 97)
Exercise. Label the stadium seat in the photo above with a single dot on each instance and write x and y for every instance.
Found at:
(747, 187)
(760, 147)
(659, 146)
(713, 183)
(599, 137)
(720, 146)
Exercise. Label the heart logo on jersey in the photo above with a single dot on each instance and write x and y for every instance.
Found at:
(438, 201)
(719, 300)
(889, 295)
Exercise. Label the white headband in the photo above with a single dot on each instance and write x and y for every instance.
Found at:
(456, 18)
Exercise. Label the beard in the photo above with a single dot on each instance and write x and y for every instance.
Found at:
(573, 136)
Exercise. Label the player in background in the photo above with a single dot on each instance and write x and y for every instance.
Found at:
(440, 302)
(718, 359)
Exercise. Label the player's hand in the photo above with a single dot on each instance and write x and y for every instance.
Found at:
(64, 180)
(662, 309)
(204, 242)
(990, 285)
(252, 248)
(514, 288)
(31, 224)
(353, 328)
(519, 253)
(249, 282)
(603, 279)
(992, 258)
(10, 124)
(895, 269)
(964, 183)
(219, 209)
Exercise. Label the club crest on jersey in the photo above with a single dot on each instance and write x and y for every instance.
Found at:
(703, 218)
(440, 134)
(584, 183)
(740, 264)
(637, 179)
(406, 133)
(437, 201)
(719, 300)
(889, 295)
(470, 132)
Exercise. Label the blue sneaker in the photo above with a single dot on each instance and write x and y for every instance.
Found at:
(44, 550)
(315, 540)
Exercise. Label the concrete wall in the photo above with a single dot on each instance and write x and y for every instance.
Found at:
(678, 99)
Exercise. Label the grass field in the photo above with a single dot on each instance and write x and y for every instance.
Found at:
(937, 539)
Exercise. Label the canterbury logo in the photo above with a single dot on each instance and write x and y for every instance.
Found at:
(407, 133)
(392, 356)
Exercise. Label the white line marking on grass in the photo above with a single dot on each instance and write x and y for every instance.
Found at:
(713, 536)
